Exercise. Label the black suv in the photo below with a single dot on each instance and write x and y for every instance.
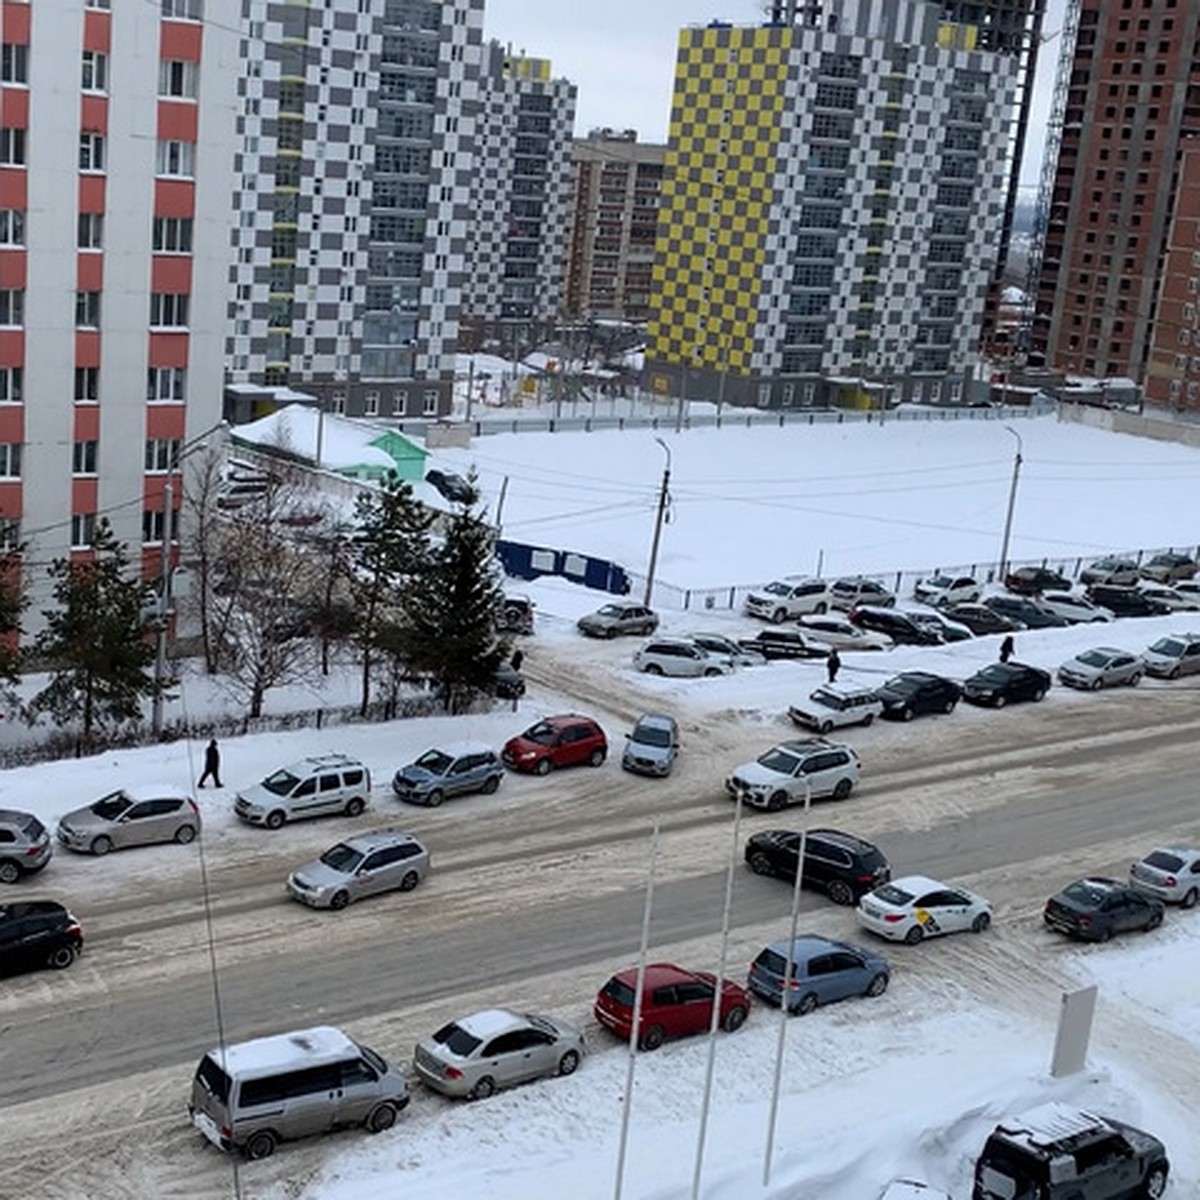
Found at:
(840, 864)
(1095, 909)
(1027, 581)
(1055, 1152)
(37, 933)
(912, 693)
(1030, 613)
(900, 627)
(1126, 601)
(782, 643)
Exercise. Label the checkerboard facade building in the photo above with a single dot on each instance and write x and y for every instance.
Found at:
(833, 201)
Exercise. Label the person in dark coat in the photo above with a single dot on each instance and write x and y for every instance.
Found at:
(1006, 648)
(833, 664)
(212, 764)
(517, 659)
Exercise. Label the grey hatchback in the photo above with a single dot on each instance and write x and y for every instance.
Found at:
(452, 771)
(25, 845)
(821, 971)
(386, 860)
(136, 816)
(651, 746)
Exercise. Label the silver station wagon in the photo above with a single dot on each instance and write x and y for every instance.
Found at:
(387, 860)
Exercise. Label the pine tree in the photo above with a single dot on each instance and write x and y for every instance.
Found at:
(100, 659)
(12, 604)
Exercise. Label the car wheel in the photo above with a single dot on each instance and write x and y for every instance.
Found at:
(261, 1145)
(1000, 701)
(275, 819)
(981, 922)
(381, 1117)
(1096, 684)
(868, 719)
(569, 1063)
(735, 1018)
(808, 1003)
(62, 956)
(1156, 1181)
(185, 834)
(542, 767)
(490, 784)
(1039, 695)
(354, 807)
(653, 669)
(596, 758)
(948, 707)
(1190, 898)
(339, 900)
(1104, 935)
(915, 934)
(610, 633)
(842, 790)
(777, 801)
(821, 608)
(410, 881)
(9, 872)
(841, 892)
(825, 727)
(435, 798)
(1155, 921)
(101, 845)
(906, 713)
(779, 616)
(1173, 673)
(653, 1038)
(1135, 679)
(878, 984)
(712, 672)
(760, 864)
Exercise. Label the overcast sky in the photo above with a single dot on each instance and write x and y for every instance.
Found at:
(621, 55)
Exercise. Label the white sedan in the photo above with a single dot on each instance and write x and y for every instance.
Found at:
(944, 590)
(916, 907)
(1174, 599)
(838, 634)
(1079, 610)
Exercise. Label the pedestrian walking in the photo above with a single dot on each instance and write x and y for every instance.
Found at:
(517, 659)
(212, 764)
(833, 664)
(1006, 648)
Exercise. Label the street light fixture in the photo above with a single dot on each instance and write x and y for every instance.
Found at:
(658, 521)
(1012, 501)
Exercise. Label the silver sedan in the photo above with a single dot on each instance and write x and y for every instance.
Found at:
(1102, 667)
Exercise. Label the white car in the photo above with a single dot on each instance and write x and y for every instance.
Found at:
(855, 590)
(1172, 597)
(790, 597)
(837, 633)
(943, 590)
(792, 771)
(916, 907)
(1079, 610)
(681, 658)
(912, 1189)
(832, 707)
(725, 647)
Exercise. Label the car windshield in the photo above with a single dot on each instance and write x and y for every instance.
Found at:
(436, 762)
(903, 685)
(342, 858)
(777, 589)
(828, 699)
(112, 806)
(922, 618)
(1168, 647)
(771, 960)
(891, 894)
(1164, 860)
(619, 991)
(994, 674)
(1094, 658)
(542, 733)
(941, 581)
(281, 783)
(376, 1060)
(1085, 894)
(651, 735)
(33, 829)
(610, 610)
(456, 1039)
(779, 760)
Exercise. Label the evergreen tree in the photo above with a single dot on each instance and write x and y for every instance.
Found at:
(99, 656)
(12, 604)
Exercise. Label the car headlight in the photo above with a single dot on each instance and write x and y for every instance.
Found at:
(528, 754)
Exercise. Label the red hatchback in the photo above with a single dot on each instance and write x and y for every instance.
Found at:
(565, 741)
(675, 1003)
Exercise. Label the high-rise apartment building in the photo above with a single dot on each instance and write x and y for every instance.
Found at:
(616, 190)
(358, 135)
(520, 200)
(117, 132)
(837, 183)
(1132, 102)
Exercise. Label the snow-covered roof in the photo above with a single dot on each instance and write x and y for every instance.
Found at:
(488, 1023)
(282, 394)
(299, 429)
(304, 1047)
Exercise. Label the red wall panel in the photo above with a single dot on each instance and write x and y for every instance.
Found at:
(91, 193)
(171, 273)
(93, 114)
(177, 122)
(87, 348)
(16, 23)
(174, 198)
(166, 421)
(97, 28)
(89, 272)
(12, 268)
(180, 40)
(168, 350)
(87, 422)
(14, 107)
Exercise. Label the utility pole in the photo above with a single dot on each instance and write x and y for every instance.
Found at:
(1012, 502)
(658, 521)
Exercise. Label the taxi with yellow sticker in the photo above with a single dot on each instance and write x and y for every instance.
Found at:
(917, 907)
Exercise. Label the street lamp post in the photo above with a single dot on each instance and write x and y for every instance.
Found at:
(658, 520)
(1012, 502)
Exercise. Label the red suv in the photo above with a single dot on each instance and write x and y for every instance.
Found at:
(675, 1003)
(565, 741)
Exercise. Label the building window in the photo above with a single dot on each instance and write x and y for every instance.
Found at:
(178, 78)
(161, 453)
(12, 306)
(338, 403)
(166, 383)
(183, 10)
(371, 404)
(98, 4)
(168, 308)
(83, 531)
(10, 460)
(153, 524)
(14, 63)
(10, 535)
(90, 231)
(87, 385)
(12, 147)
(430, 402)
(95, 71)
(11, 381)
(91, 152)
(173, 235)
(87, 309)
(398, 403)
(176, 158)
(83, 458)
(12, 227)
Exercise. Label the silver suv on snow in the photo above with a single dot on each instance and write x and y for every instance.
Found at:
(25, 845)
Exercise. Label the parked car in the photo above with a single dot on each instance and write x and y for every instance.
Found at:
(1174, 655)
(1031, 613)
(981, 620)
(915, 693)
(831, 707)
(37, 933)
(838, 633)
(725, 647)
(943, 590)
(1126, 601)
(453, 770)
(916, 907)
(1188, 588)
(652, 746)
(384, 860)
(507, 682)
(820, 971)
(900, 627)
(25, 845)
(783, 643)
(912, 1189)
(1028, 581)
(515, 614)
(681, 658)
(318, 786)
(563, 741)
(1095, 908)
(1054, 1152)
(675, 1003)
(999, 684)
(840, 864)
(1170, 873)
(1175, 600)
(946, 630)
(618, 617)
(790, 772)
(134, 816)
(1102, 667)
(1073, 608)
(848, 593)
(792, 596)
(496, 1048)
(1111, 570)
(452, 487)
(1169, 567)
